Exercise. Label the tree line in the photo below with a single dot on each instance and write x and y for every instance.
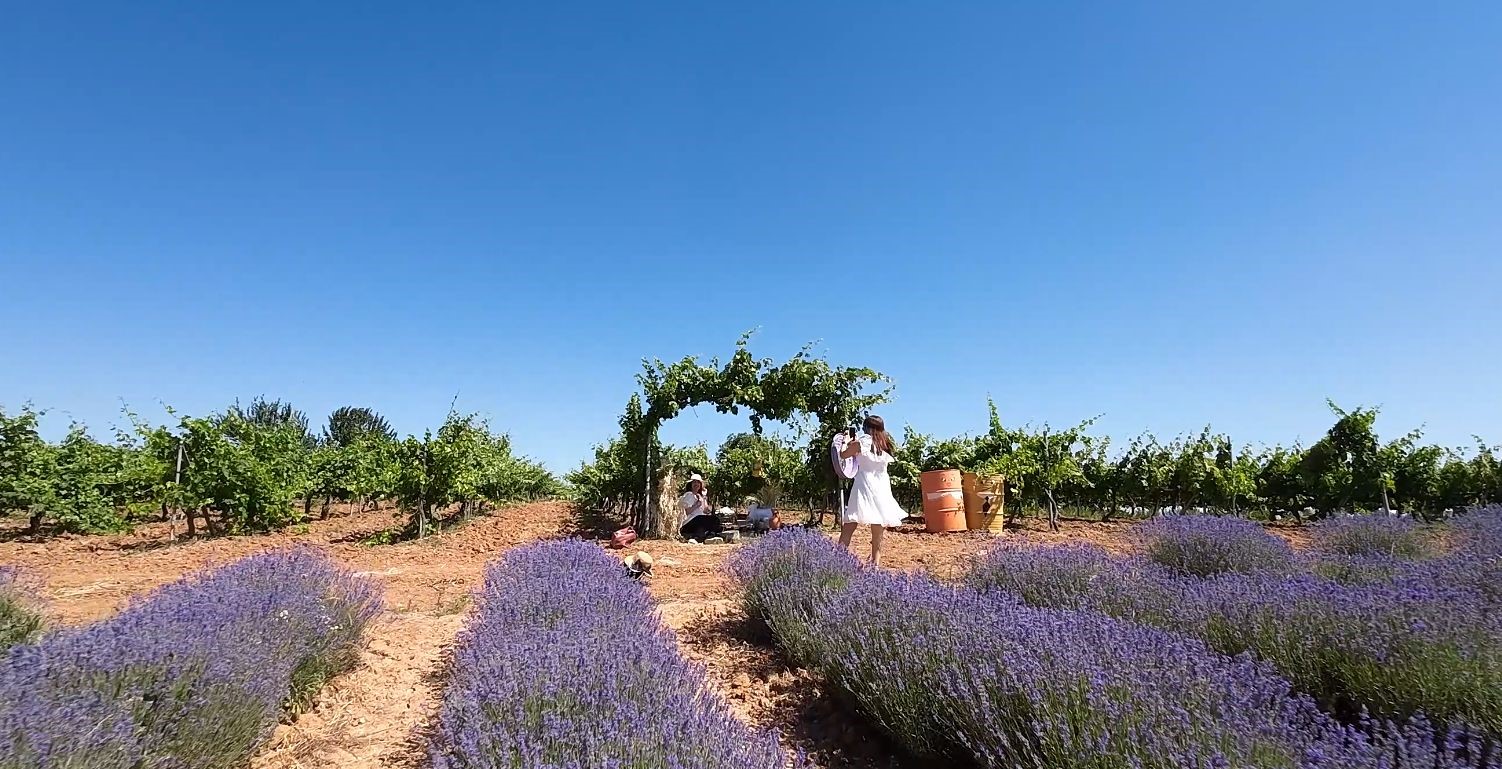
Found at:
(1046, 468)
(1350, 468)
(256, 467)
(1057, 470)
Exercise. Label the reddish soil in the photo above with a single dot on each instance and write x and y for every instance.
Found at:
(376, 715)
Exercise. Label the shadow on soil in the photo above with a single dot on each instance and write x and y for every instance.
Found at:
(811, 716)
(591, 524)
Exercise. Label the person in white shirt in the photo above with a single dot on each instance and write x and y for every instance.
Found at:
(699, 521)
(871, 502)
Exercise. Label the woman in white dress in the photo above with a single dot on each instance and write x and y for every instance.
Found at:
(871, 502)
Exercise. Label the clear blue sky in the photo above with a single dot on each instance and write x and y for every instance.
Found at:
(1168, 214)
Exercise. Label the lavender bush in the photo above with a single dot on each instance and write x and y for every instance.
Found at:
(957, 675)
(565, 664)
(1204, 546)
(20, 620)
(194, 675)
(1372, 535)
(1428, 643)
(1479, 532)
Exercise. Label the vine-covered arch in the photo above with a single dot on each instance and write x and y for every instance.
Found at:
(804, 384)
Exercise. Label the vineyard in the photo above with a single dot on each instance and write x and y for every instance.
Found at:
(1369, 641)
(262, 466)
(257, 468)
(243, 589)
(1047, 468)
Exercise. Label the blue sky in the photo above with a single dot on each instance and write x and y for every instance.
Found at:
(1168, 214)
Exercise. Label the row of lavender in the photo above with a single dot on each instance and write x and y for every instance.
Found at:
(565, 663)
(1383, 617)
(981, 678)
(20, 621)
(195, 674)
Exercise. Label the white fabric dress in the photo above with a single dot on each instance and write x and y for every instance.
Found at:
(871, 501)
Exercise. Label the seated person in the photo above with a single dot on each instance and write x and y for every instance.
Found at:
(699, 522)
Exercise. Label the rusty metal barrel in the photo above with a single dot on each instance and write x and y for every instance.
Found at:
(985, 496)
(943, 501)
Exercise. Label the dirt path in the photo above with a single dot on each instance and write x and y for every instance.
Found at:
(375, 715)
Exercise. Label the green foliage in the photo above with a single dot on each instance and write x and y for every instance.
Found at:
(27, 465)
(364, 469)
(1342, 470)
(245, 470)
(78, 485)
(349, 425)
(803, 385)
(1045, 468)
(86, 485)
(1347, 469)
(273, 415)
(243, 474)
(771, 469)
(462, 464)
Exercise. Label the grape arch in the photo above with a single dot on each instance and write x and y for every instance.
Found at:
(806, 383)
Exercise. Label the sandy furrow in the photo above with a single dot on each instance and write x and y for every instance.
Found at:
(377, 715)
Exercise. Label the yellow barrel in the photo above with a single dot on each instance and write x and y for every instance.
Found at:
(985, 496)
(943, 501)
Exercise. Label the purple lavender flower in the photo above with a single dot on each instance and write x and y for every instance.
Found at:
(1427, 638)
(20, 618)
(195, 674)
(1479, 532)
(565, 663)
(974, 679)
(1372, 535)
(1208, 545)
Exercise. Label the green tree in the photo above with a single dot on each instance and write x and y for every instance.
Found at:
(462, 464)
(768, 467)
(238, 475)
(348, 425)
(28, 467)
(1057, 462)
(84, 474)
(272, 414)
(1343, 471)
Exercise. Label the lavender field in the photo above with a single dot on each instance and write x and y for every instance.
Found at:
(1217, 647)
(1198, 642)
(548, 675)
(195, 674)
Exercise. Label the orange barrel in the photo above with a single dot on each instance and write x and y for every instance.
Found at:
(984, 496)
(943, 501)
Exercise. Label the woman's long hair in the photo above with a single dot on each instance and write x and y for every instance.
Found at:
(881, 440)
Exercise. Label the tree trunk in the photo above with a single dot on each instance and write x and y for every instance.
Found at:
(307, 505)
(35, 527)
(323, 515)
(192, 524)
(1053, 512)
